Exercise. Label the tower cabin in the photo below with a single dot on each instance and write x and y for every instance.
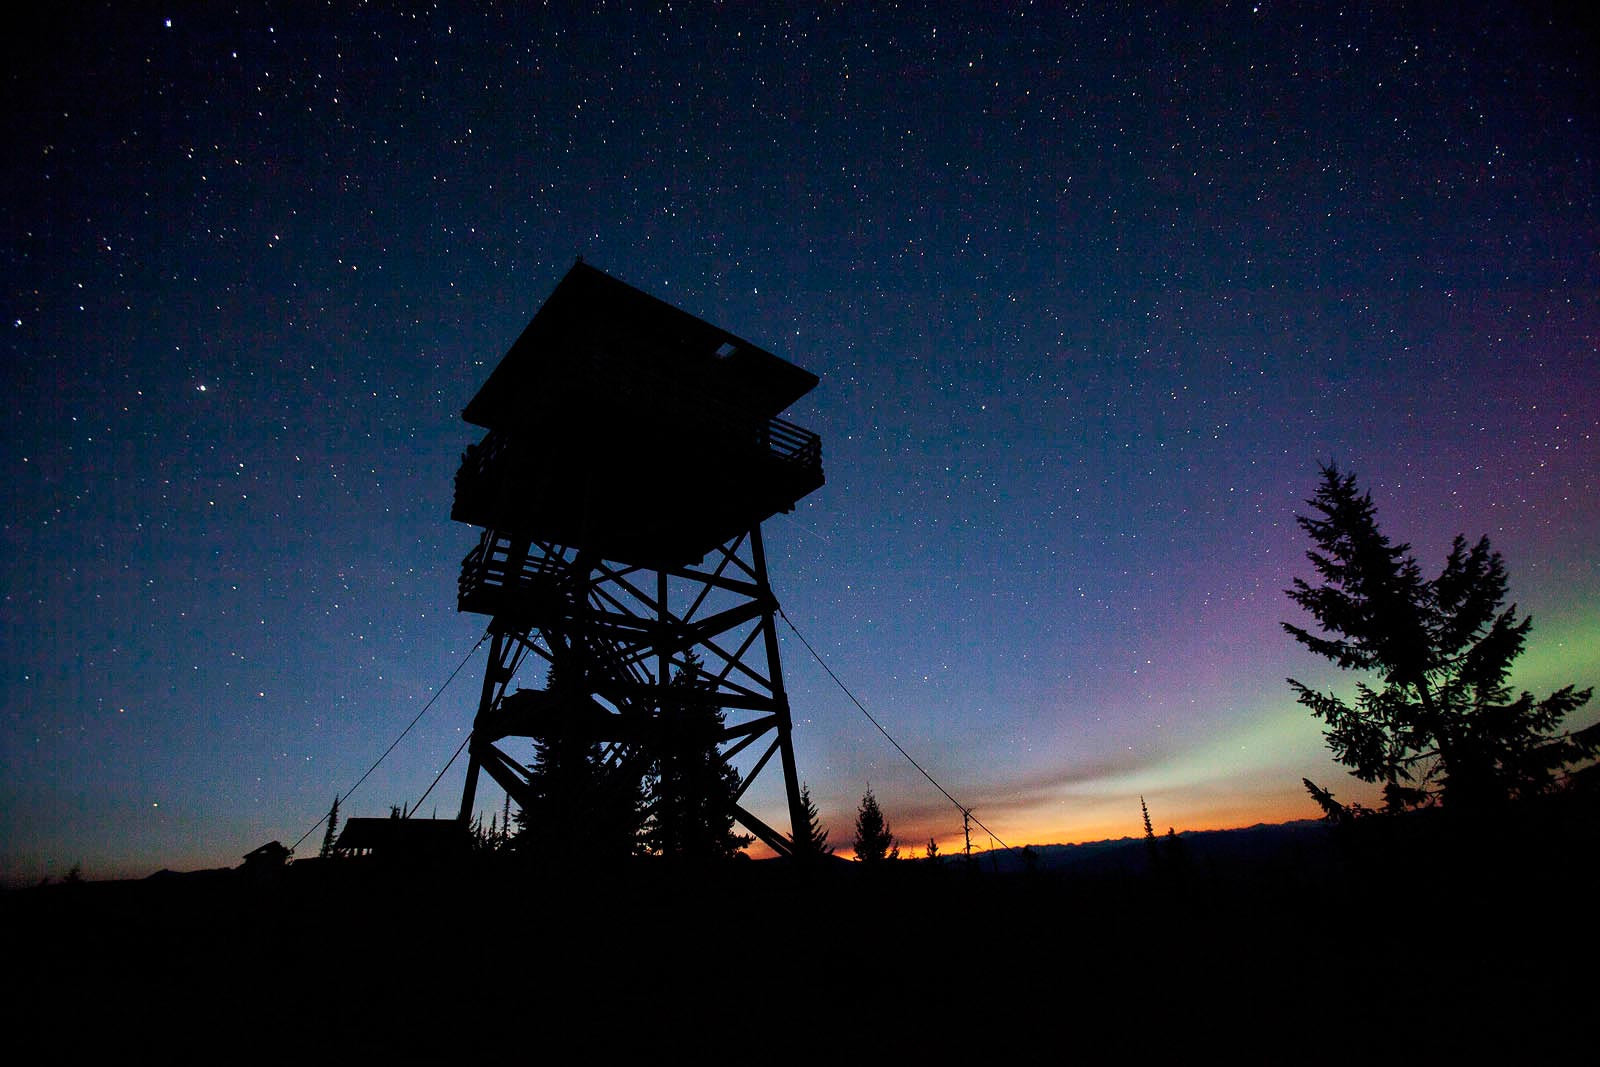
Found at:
(627, 430)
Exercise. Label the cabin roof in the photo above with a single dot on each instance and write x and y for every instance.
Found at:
(591, 312)
(274, 851)
(398, 834)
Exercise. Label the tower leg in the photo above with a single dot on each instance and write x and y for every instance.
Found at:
(502, 664)
(615, 636)
(780, 696)
(469, 792)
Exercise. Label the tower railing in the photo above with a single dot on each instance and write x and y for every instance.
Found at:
(780, 439)
(489, 573)
(792, 443)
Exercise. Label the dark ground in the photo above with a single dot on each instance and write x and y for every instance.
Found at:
(1426, 938)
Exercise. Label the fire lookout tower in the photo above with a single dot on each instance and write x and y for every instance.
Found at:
(632, 453)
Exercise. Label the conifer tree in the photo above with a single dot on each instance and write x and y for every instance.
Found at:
(812, 836)
(691, 787)
(874, 842)
(580, 808)
(1173, 851)
(1150, 845)
(331, 834)
(1442, 722)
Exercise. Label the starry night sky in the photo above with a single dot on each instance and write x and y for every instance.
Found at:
(1090, 292)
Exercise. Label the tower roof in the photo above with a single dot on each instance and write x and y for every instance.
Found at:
(593, 315)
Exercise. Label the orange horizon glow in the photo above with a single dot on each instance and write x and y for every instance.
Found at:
(1042, 830)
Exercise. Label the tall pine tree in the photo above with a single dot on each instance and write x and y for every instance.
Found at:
(1442, 721)
(1149, 836)
(580, 807)
(691, 787)
(331, 835)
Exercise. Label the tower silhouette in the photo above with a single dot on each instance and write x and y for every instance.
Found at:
(632, 453)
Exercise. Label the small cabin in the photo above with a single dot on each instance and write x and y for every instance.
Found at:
(624, 426)
(268, 857)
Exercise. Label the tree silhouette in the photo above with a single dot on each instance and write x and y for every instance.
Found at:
(874, 842)
(1173, 852)
(691, 787)
(1332, 811)
(1149, 836)
(331, 834)
(811, 837)
(1443, 723)
(579, 807)
(477, 836)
